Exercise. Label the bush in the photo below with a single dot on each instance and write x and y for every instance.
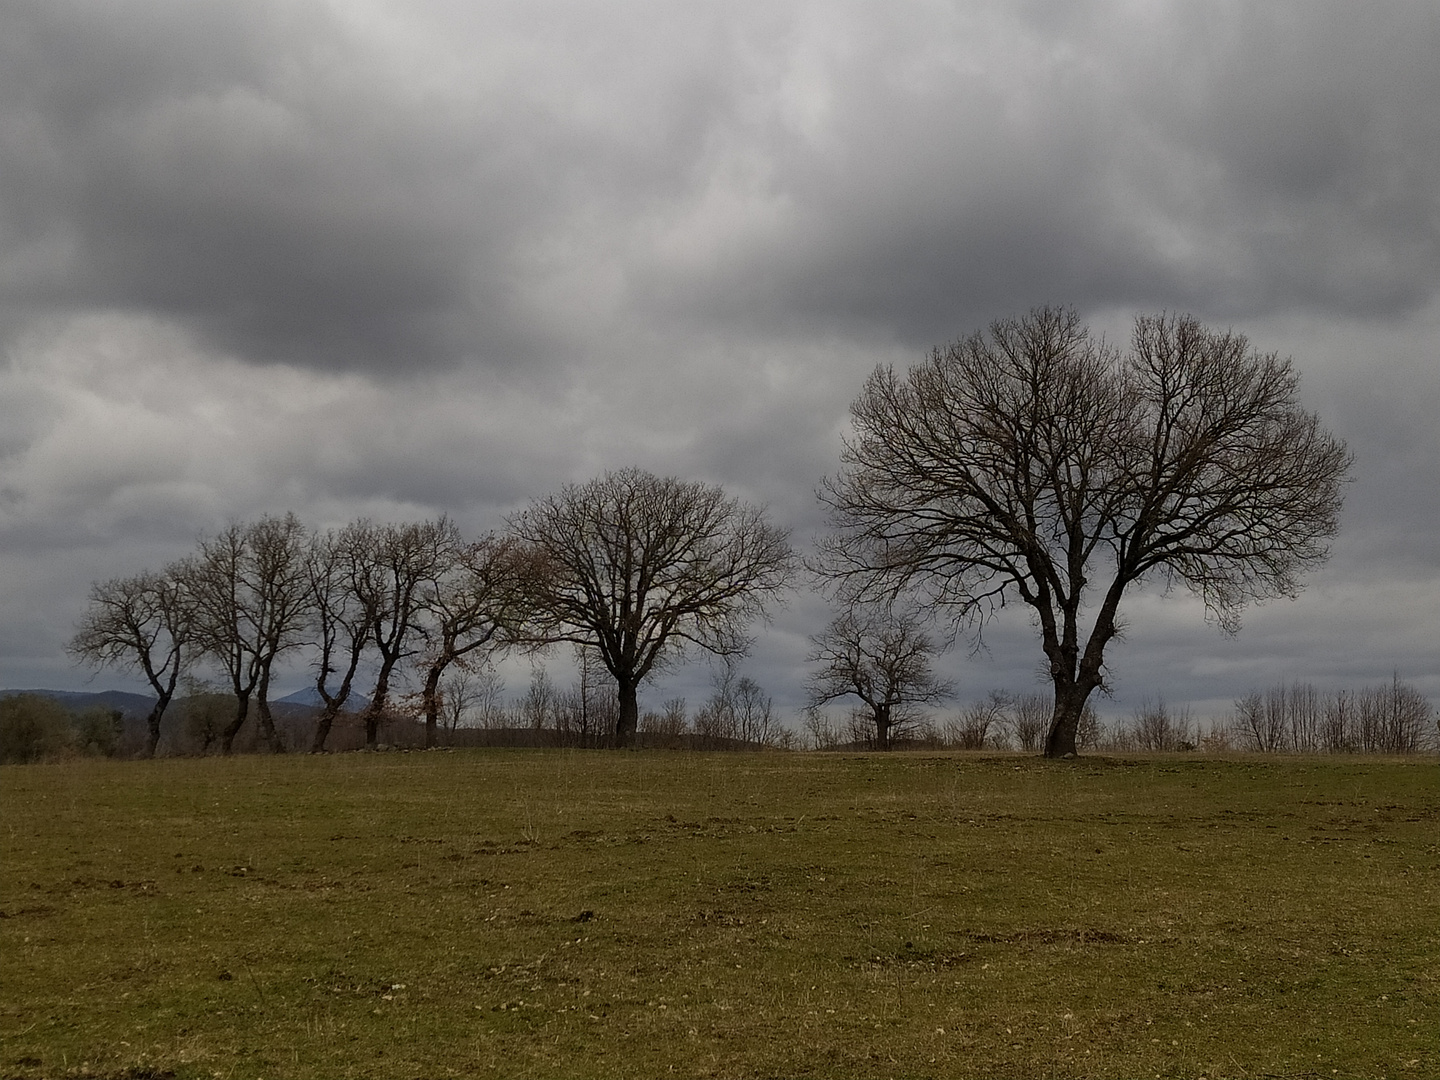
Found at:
(32, 727)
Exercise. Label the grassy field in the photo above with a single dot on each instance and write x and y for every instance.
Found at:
(573, 914)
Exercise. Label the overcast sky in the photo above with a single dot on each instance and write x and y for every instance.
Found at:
(368, 257)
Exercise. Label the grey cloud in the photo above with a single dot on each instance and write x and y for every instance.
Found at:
(272, 177)
(398, 259)
(1230, 161)
(254, 172)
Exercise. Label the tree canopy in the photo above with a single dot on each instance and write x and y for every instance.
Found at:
(637, 567)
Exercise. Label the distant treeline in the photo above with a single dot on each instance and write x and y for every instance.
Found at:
(1293, 718)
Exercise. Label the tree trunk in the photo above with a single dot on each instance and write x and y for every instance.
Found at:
(378, 701)
(152, 724)
(263, 715)
(1070, 701)
(882, 728)
(333, 704)
(323, 724)
(629, 717)
(1076, 675)
(242, 710)
(267, 726)
(431, 698)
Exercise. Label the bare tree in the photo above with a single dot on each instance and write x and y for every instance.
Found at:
(882, 656)
(1029, 717)
(979, 722)
(738, 714)
(474, 602)
(539, 705)
(1390, 718)
(822, 731)
(143, 623)
(667, 727)
(488, 697)
(1159, 728)
(637, 567)
(252, 595)
(584, 714)
(342, 613)
(1091, 730)
(1038, 463)
(755, 722)
(460, 692)
(404, 558)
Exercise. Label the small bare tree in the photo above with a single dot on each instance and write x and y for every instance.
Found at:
(1260, 721)
(1029, 717)
(540, 702)
(1159, 728)
(1091, 730)
(821, 729)
(144, 623)
(974, 726)
(1037, 462)
(667, 727)
(882, 656)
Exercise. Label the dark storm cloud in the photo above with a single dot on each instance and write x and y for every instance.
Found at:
(284, 180)
(257, 173)
(1228, 160)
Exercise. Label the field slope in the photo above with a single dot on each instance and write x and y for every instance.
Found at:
(552, 913)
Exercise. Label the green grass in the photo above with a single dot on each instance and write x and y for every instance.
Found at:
(550, 913)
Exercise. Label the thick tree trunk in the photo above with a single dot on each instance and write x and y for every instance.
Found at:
(323, 723)
(152, 724)
(267, 726)
(263, 715)
(242, 711)
(431, 698)
(1070, 701)
(378, 702)
(1076, 675)
(629, 717)
(882, 728)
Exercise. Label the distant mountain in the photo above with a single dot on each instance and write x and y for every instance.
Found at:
(310, 697)
(138, 705)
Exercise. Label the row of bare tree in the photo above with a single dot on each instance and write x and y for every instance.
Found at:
(1392, 718)
(366, 596)
(1298, 718)
(630, 569)
(1032, 463)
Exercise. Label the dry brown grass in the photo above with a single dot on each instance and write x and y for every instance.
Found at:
(562, 913)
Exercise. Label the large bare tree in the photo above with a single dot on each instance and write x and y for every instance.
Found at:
(143, 623)
(880, 655)
(1036, 462)
(637, 567)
